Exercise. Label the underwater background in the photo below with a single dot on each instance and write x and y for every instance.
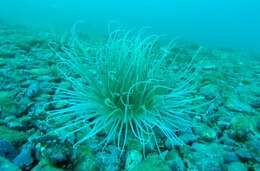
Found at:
(129, 85)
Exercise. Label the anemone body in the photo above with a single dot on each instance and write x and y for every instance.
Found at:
(126, 88)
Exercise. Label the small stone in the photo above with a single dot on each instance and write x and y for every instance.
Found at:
(6, 165)
(33, 90)
(234, 104)
(230, 157)
(255, 104)
(188, 138)
(24, 159)
(237, 166)
(177, 164)
(108, 158)
(223, 125)
(254, 146)
(210, 91)
(60, 156)
(134, 144)
(244, 155)
(168, 143)
(133, 158)
(174, 160)
(241, 128)
(208, 66)
(110, 167)
(57, 153)
(86, 164)
(206, 133)
(87, 160)
(45, 166)
(256, 167)
(152, 163)
(258, 125)
(240, 135)
(13, 136)
(7, 150)
(150, 145)
(206, 156)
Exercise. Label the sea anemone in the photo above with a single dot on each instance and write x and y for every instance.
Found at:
(128, 87)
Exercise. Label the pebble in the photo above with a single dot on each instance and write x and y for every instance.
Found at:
(206, 156)
(46, 166)
(223, 125)
(175, 161)
(188, 138)
(236, 166)
(152, 163)
(133, 158)
(234, 104)
(230, 157)
(33, 90)
(7, 150)
(86, 160)
(6, 165)
(209, 66)
(206, 133)
(244, 155)
(210, 91)
(24, 159)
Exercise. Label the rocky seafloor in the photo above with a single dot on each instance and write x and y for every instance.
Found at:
(226, 138)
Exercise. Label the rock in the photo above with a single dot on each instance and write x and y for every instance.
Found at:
(237, 166)
(39, 71)
(13, 136)
(109, 157)
(24, 159)
(134, 144)
(230, 157)
(258, 124)
(236, 105)
(25, 105)
(240, 135)
(133, 158)
(58, 154)
(214, 107)
(33, 90)
(188, 138)
(6, 100)
(111, 168)
(7, 150)
(227, 141)
(46, 166)
(174, 160)
(86, 164)
(254, 147)
(168, 143)
(245, 155)
(223, 125)
(87, 160)
(206, 133)
(255, 104)
(208, 66)
(255, 167)
(22, 123)
(210, 91)
(6, 165)
(151, 145)
(241, 126)
(152, 163)
(205, 157)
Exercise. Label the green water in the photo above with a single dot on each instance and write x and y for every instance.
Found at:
(87, 86)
